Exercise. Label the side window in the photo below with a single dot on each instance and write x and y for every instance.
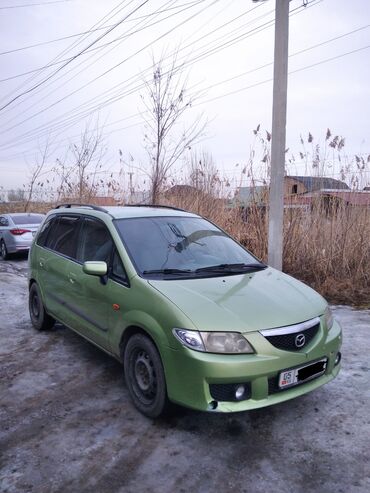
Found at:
(44, 231)
(96, 242)
(4, 221)
(118, 271)
(63, 236)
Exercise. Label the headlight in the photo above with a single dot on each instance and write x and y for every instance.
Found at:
(328, 317)
(214, 342)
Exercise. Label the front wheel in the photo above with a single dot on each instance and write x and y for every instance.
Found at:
(39, 318)
(145, 377)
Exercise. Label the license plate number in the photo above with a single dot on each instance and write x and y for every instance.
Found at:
(294, 376)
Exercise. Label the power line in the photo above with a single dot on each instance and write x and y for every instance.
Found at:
(120, 95)
(321, 62)
(304, 50)
(51, 41)
(204, 55)
(115, 66)
(103, 20)
(130, 92)
(126, 35)
(32, 4)
(249, 87)
(73, 58)
(132, 78)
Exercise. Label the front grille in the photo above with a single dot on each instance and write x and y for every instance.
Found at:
(288, 341)
(225, 392)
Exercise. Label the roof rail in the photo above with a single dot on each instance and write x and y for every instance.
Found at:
(156, 206)
(95, 207)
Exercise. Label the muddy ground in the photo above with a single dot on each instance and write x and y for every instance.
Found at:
(67, 424)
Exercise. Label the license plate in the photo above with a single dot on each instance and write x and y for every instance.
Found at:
(294, 376)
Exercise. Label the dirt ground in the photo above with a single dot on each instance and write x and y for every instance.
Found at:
(67, 424)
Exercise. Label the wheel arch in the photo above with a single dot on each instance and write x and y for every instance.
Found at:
(129, 332)
(30, 282)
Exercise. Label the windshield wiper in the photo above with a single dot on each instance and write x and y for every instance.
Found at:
(232, 268)
(167, 271)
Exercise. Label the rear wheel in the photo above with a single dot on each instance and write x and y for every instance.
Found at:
(145, 377)
(3, 251)
(39, 318)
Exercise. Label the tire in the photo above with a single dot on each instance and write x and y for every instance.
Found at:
(3, 251)
(39, 318)
(145, 377)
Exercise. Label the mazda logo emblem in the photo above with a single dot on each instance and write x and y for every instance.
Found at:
(300, 340)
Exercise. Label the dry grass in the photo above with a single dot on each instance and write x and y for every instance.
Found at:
(328, 250)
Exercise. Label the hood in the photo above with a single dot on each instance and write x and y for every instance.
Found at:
(243, 303)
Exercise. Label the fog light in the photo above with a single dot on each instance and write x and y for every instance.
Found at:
(239, 392)
(337, 359)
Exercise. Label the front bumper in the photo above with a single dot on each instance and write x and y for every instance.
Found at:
(189, 373)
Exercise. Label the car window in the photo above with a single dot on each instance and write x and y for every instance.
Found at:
(96, 242)
(27, 219)
(44, 231)
(190, 243)
(118, 271)
(63, 236)
(4, 221)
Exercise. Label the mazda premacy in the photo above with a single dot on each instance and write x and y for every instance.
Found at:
(194, 317)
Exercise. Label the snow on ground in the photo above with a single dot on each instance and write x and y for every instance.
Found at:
(67, 424)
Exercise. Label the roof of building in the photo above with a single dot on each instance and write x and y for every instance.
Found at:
(350, 197)
(182, 190)
(313, 183)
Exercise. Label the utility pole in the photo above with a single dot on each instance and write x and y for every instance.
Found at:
(130, 173)
(276, 197)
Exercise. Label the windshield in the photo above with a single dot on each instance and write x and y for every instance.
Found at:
(175, 246)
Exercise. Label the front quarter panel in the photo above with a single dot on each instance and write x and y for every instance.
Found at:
(142, 306)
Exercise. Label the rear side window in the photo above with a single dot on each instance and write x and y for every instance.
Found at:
(62, 237)
(96, 242)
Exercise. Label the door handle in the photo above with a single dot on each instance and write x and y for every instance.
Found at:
(72, 278)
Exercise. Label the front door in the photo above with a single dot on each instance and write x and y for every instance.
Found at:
(90, 298)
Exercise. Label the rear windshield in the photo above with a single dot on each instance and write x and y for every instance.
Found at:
(27, 219)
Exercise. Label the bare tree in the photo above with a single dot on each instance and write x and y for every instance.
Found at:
(37, 172)
(79, 171)
(166, 100)
(204, 175)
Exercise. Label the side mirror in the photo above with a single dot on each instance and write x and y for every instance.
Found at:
(95, 268)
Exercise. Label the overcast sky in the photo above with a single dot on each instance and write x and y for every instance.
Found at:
(218, 40)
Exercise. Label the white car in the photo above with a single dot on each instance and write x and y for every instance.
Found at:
(17, 231)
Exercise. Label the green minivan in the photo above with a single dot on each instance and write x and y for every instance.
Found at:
(193, 316)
